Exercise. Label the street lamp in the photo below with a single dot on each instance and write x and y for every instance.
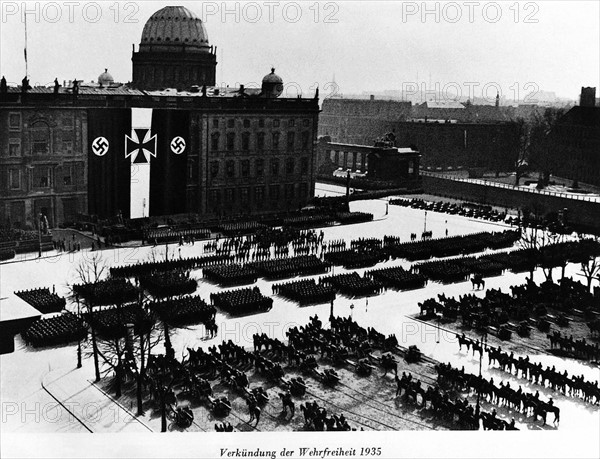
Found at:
(40, 235)
(79, 341)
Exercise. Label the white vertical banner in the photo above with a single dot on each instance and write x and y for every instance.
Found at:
(140, 147)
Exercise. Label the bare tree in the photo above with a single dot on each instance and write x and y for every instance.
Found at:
(543, 154)
(147, 342)
(529, 242)
(90, 270)
(553, 253)
(590, 266)
(113, 351)
(545, 249)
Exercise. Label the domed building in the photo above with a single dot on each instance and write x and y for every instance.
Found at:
(272, 85)
(174, 52)
(220, 152)
(105, 79)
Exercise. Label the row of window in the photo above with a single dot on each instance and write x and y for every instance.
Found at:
(41, 178)
(350, 159)
(230, 123)
(243, 167)
(242, 195)
(196, 73)
(37, 147)
(259, 142)
(40, 129)
(14, 122)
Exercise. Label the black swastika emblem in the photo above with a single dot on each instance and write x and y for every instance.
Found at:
(178, 145)
(100, 146)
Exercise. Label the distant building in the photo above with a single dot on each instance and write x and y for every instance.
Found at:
(446, 133)
(574, 142)
(587, 97)
(382, 161)
(358, 121)
(443, 145)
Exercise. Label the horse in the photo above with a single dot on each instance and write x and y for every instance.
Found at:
(491, 422)
(462, 339)
(286, 400)
(541, 409)
(388, 362)
(211, 329)
(477, 281)
(477, 347)
(253, 409)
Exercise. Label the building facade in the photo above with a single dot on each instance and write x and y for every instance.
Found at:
(174, 52)
(42, 164)
(443, 145)
(216, 151)
(470, 136)
(382, 161)
(245, 154)
(574, 145)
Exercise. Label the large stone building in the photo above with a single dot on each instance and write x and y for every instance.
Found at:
(571, 149)
(360, 122)
(443, 145)
(382, 161)
(212, 151)
(43, 165)
(174, 52)
(446, 135)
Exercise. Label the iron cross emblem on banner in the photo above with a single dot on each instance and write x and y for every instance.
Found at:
(142, 142)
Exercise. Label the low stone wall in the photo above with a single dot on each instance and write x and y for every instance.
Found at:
(583, 213)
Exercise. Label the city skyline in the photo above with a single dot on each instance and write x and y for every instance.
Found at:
(515, 55)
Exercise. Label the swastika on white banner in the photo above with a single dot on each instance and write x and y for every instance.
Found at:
(178, 145)
(100, 146)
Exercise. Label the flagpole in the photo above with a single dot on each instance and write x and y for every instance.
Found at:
(25, 50)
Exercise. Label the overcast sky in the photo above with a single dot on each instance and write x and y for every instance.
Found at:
(369, 46)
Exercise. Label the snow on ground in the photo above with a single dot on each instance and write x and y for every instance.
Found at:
(22, 371)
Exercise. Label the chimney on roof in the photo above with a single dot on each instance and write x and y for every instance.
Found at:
(587, 97)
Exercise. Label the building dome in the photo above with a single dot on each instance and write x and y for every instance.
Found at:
(105, 79)
(174, 26)
(272, 84)
(174, 52)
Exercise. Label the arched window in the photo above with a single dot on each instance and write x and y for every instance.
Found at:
(40, 138)
(214, 138)
(230, 168)
(260, 141)
(245, 141)
(276, 136)
(231, 141)
(291, 137)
